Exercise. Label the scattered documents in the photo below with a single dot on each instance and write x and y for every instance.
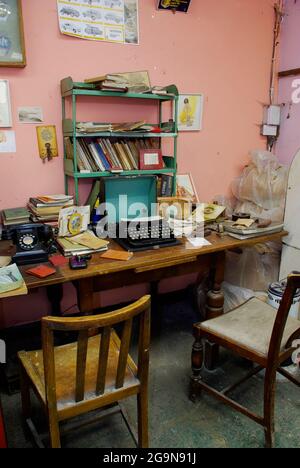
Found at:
(198, 242)
(11, 282)
(88, 239)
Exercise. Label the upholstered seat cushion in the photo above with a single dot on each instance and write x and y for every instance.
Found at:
(250, 326)
(65, 370)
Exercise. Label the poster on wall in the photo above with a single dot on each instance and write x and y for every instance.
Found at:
(190, 112)
(5, 110)
(174, 5)
(7, 141)
(100, 20)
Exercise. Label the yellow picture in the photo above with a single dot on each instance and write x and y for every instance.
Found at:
(47, 142)
(190, 110)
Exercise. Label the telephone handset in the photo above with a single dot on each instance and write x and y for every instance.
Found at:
(33, 242)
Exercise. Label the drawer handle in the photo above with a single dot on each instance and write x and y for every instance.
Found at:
(168, 264)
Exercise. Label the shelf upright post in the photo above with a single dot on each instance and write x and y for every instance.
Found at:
(74, 117)
(63, 105)
(175, 105)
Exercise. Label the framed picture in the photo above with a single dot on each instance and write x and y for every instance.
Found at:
(175, 5)
(151, 159)
(12, 48)
(47, 142)
(190, 112)
(5, 109)
(185, 188)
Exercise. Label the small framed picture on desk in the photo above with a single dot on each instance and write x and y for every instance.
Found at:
(151, 159)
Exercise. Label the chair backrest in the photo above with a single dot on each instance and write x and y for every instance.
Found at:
(102, 323)
(293, 283)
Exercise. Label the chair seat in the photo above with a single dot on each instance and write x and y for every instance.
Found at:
(65, 369)
(250, 326)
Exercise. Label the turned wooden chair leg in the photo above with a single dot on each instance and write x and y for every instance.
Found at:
(269, 408)
(142, 407)
(197, 363)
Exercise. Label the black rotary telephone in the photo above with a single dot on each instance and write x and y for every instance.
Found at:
(33, 243)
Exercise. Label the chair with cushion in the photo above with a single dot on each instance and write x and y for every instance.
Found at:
(257, 332)
(94, 372)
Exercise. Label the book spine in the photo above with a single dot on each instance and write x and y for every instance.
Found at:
(102, 156)
(130, 155)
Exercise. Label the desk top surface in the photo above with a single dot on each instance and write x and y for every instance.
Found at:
(151, 258)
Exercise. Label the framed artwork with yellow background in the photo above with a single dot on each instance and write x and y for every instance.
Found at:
(47, 141)
(190, 112)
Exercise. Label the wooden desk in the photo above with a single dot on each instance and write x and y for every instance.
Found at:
(149, 267)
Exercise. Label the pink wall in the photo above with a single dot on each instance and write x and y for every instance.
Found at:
(289, 141)
(220, 48)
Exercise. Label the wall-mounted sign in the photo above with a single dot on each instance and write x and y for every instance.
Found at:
(174, 5)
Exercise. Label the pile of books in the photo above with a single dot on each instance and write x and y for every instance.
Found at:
(103, 154)
(46, 208)
(82, 244)
(98, 127)
(13, 216)
(118, 83)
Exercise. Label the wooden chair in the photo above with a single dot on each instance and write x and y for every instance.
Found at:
(92, 373)
(256, 332)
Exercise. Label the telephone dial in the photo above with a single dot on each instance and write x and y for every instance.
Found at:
(33, 243)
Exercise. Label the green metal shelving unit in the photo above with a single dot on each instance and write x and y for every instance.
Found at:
(74, 90)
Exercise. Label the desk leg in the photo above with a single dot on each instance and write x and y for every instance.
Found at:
(55, 295)
(215, 308)
(85, 296)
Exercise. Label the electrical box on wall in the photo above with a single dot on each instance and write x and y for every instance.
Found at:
(270, 130)
(272, 115)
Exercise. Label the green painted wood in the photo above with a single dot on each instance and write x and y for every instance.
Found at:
(95, 175)
(72, 89)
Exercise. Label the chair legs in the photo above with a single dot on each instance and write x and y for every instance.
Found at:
(25, 395)
(142, 407)
(269, 408)
(197, 362)
(54, 430)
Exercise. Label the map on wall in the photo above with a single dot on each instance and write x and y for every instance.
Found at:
(100, 20)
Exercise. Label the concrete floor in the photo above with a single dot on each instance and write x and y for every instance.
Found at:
(175, 422)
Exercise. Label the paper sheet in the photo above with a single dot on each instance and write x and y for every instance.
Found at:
(7, 141)
(199, 242)
(96, 20)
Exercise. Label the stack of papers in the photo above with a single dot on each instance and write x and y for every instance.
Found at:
(82, 244)
(11, 282)
(252, 231)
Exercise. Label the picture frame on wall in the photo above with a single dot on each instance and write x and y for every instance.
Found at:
(174, 5)
(190, 112)
(5, 107)
(151, 159)
(185, 188)
(12, 46)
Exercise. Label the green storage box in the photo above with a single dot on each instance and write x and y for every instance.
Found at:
(131, 197)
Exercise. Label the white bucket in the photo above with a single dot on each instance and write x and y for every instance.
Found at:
(275, 294)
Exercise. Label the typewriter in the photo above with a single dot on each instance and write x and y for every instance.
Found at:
(145, 233)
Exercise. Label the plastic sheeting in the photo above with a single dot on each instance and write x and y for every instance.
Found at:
(260, 191)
